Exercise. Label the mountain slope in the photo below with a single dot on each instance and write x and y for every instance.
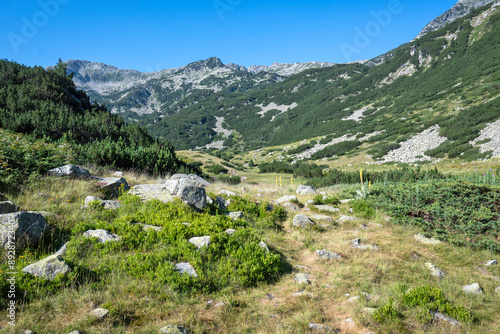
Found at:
(441, 79)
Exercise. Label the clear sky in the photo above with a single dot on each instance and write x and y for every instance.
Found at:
(152, 35)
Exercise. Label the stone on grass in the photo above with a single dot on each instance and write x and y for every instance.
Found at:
(147, 192)
(106, 204)
(491, 263)
(305, 190)
(226, 193)
(309, 203)
(230, 231)
(112, 185)
(302, 278)
(327, 208)
(102, 236)
(75, 332)
(321, 218)
(320, 328)
(302, 221)
(27, 331)
(365, 247)
(189, 192)
(349, 320)
(344, 201)
(99, 313)
(327, 255)
(62, 251)
(200, 182)
(497, 290)
(48, 268)
(354, 299)
(221, 202)
(69, 170)
(436, 316)
(303, 293)
(8, 207)
(185, 268)
(200, 242)
(369, 310)
(92, 199)
(473, 289)
(263, 245)
(173, 329)
(435, 271)
(288, 198)
(291, 207)
(118, 174)
(428, 241)
(22, 229)
(210, 200)
(236, 215)
(345, 218)
(146, 227)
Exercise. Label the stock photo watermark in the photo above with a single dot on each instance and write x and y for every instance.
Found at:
(224, 6)
(372, 29)
(11, 260)
(31, 26)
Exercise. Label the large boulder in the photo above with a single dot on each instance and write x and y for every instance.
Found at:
(148, 192)
(200, 182)
(302, 221)
(69, 170)
(8, 207)
(22, 229)
(306, 190)
(188, 192)
(112, 185)
(48, 268)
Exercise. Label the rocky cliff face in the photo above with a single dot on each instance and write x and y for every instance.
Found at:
(461, 8)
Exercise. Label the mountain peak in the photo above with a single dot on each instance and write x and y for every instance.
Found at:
(460, 9)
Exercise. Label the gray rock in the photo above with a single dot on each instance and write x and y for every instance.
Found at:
(491, 263)
(199, 181)
(345, 218)
(147, 192)
(263, 245)
(236, 215)
(291, 207)
(48, 268)
(320, 328)
(435, 271)
(309, 203)
(436, 316)
(112, 185)
(327, 208)
(303, 293)
(365, 247)
(102, 235)
(369, 310)
(99, 313)
(173, 329)
(302, 278)
(474, 289)
(111, 205)
(320, 218)
(355, 241)
(69, 170)
(188, 192)
(62, 251)
(288, 198)
(226, 193)
(327, 255)
(354, 299)
(230, 231)
(302, 221)
(425, 240)
(344, 201)
(210, 200)
(221, 202)
(118, 174)
(146, 227)
(22, 229)
(185, 268)
(91, 199)
(349, 320)
(8, 207)
(305, 190)
(200, 242)
(497, 290)
(28, 331)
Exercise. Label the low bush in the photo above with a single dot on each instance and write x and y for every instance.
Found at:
(229, 179)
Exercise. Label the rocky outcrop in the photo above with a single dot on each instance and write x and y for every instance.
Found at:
(48, 268)
(22, 229)
(69, 170)
(102, 236)
(188, 191)
(148, 192)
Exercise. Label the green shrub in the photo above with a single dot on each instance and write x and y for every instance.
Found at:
(363, 208)
(386, 312)
(320, 199)
(229, 179)
(216, 169)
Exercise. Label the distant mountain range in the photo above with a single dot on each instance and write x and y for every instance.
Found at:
(425, 87)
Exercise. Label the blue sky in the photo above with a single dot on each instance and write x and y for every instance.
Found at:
(153, 35)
